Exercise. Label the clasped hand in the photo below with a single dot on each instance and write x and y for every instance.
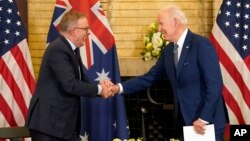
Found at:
(109, 89)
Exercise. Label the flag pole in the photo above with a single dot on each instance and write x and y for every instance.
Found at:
(143, 111)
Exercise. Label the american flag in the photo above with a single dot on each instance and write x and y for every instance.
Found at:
(17, 81)
(102, 120)
(230, 35)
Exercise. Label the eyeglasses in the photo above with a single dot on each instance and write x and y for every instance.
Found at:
(83, 28)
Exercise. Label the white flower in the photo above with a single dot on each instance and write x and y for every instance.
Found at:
(148, 56)
(157, 41)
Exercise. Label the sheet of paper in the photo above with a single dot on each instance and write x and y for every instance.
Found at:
(190, 135)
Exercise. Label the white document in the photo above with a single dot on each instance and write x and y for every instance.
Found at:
(191, 135)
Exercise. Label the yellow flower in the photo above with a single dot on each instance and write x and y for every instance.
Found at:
(156, 52)
(138, 139)
(146, 39)
(172, 139)
(149, 46)
(153, 26)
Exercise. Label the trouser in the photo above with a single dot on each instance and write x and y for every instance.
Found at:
(179, 126)
(39, 136)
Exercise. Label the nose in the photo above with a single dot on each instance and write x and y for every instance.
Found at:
(88, 32)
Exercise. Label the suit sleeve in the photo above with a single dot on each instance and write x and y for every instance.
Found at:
(145, 81)
(62, 65)
(211, 73)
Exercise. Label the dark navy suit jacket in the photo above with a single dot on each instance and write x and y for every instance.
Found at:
(54, 108)
(196, 82)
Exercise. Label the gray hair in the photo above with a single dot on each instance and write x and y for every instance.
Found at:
(176, 12)
(70, 19)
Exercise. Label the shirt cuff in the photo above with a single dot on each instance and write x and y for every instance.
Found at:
(99, 89)
(121, 88)
(203, 121)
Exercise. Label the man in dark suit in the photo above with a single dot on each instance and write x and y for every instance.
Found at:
(54, 108)
(192, 67)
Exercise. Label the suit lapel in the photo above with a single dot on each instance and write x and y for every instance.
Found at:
(73, 56)
(184, 53)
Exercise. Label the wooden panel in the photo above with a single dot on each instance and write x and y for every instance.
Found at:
(22, 7)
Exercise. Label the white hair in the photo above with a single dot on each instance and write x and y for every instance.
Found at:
(176, 12)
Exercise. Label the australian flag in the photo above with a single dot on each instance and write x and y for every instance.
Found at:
(101, 119)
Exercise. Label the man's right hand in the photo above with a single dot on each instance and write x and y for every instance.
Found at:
(106, 88)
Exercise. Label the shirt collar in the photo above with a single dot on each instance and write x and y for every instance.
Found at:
(181, 40)
(71, 44)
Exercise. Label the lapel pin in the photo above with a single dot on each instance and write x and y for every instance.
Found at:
(187, 46)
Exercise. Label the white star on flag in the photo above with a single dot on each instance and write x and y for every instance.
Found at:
(85, 137)
(102, 76)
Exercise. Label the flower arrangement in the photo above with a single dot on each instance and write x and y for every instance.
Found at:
(154, 43)
(138, 139)
(172, 139)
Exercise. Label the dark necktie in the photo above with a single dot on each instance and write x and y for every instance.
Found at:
(77, 53)
(176, 55)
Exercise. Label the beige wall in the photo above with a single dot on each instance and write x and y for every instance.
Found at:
(128, 19)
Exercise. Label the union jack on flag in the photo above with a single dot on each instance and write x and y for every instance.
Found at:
(230, 35)
(102, 120)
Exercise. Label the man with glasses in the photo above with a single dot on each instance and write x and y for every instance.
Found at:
(54, 108)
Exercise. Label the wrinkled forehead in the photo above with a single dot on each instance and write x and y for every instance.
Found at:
(82, 22)
(164, 17)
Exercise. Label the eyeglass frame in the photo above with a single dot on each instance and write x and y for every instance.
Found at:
(84, 28)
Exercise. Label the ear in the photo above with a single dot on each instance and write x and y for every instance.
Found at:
(71, 31)
(176, 22)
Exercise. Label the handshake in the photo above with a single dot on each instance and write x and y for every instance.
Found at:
(108, 88)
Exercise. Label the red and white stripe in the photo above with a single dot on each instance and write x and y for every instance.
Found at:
(17, 84)
(236, 78)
